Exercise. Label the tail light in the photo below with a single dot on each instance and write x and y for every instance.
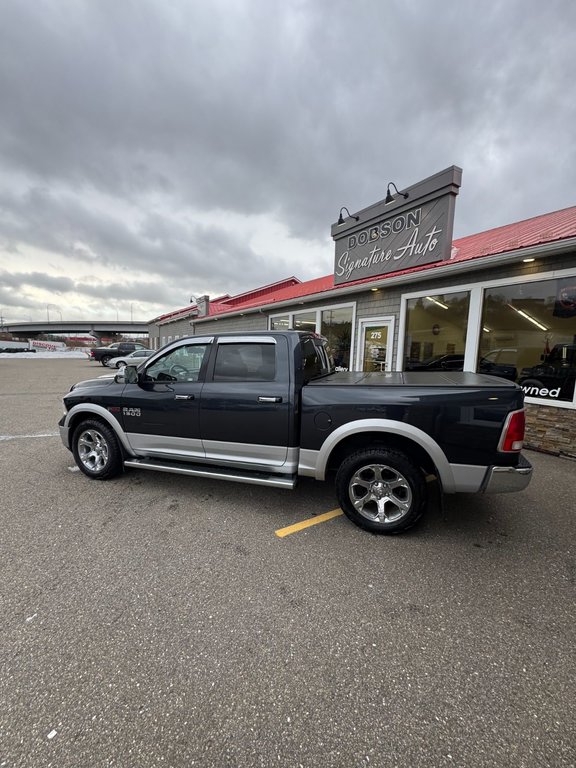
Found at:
(512, 438)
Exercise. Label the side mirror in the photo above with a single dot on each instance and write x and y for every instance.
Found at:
(130, 375)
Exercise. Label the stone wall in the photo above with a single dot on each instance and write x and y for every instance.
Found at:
(552, 430)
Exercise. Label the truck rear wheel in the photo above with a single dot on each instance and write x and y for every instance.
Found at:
(96, 450)
(381, 490)
(105, 359)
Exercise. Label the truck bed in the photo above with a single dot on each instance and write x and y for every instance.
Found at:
(438, 379)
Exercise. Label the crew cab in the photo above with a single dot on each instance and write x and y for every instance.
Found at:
(105, 354)
(266, 408)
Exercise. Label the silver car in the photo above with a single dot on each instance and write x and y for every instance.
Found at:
(134, 358)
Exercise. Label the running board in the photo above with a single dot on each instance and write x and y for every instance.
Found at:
(196, 470)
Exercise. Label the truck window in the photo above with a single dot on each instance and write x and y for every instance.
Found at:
(180, 364)
(245, 362)
(313, 365)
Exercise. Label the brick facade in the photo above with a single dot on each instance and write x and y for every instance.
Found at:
(550, 429)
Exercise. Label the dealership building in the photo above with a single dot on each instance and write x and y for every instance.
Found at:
(405, 296)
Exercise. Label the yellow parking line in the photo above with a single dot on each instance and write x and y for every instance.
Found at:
(281, 532)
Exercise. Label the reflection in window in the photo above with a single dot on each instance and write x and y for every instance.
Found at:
(315, 360)
(280, 323)
(336, 326)
(436, 332)
(532, 328)
(305, 321)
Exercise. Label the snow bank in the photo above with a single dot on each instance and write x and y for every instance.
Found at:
(44, 353)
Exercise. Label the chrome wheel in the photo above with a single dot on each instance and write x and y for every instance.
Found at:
(380, 493)
(93, 450)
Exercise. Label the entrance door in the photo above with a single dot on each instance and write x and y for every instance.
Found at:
(375, 344)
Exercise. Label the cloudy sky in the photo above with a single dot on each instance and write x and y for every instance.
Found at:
(154, 149)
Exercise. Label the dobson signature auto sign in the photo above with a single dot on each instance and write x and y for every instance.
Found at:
(406, 232)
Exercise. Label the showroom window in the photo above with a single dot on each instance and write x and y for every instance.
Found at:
(280, 323)
(304, 321)
(530, 327)
(335, 323)
(435, 337)
(336, 326)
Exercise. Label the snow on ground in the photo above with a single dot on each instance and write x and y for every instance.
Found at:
(43, 353)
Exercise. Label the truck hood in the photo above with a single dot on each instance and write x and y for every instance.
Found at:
(101, 381)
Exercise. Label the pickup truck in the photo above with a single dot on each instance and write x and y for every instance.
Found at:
(554, 377)
(105, 354)
(268, 407)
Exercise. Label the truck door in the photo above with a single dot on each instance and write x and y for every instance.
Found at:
(245, 408)
(161, 413)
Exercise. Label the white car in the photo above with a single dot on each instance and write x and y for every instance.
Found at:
(134, 358)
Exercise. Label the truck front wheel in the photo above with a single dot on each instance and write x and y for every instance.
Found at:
(96, 450)
(381, 490)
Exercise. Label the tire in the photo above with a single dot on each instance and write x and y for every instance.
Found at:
(120, 363)
(381, 490)
(96, 450)
(105, 359)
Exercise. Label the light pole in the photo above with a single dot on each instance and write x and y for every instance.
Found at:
(53, 306)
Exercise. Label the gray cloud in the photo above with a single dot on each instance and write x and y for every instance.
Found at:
(37, 279)
(192, 251)
(288, 109)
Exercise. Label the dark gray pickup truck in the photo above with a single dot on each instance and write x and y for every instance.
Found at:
(268, 407)
(105, 354)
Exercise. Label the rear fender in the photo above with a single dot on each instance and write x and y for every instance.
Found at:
(387, 426)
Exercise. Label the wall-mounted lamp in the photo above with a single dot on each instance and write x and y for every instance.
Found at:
(528, 261)
(390, 198)
(348, 215)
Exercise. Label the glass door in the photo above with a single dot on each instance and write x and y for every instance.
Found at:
(375, 344)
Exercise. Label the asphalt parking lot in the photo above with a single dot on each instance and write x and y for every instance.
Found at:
(157, 620)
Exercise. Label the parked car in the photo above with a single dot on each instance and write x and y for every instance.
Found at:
(134, 358)
(554, 376)
(265, 408)
(456, 363)
(105, 354)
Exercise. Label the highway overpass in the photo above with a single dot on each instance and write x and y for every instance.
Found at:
(96, 328)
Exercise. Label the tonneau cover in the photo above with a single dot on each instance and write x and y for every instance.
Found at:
(442, 379)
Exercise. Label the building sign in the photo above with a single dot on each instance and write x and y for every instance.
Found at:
(49, 346)
(398, 235)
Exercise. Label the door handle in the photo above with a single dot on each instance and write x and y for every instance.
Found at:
(183, 397)
(263, 399)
